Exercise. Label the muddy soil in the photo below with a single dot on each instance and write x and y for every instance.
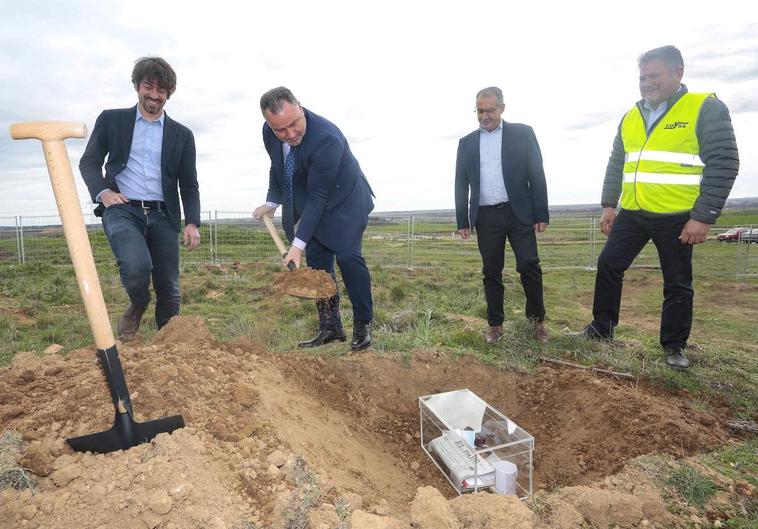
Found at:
(306, 283)
(273, 441)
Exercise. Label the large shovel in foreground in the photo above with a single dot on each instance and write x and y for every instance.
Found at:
(126, 432)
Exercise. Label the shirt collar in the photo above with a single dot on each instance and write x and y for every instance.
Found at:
(498, 129)
(665, 103)
(140, 116)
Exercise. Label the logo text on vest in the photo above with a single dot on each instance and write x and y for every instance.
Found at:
(677, 125)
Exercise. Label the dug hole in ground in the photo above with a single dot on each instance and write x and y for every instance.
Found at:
(289, 441)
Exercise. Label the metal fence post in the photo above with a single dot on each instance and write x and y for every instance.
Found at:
(737, 259)
(212, 235)
(20, 240)
(412, 228)
(208, 222)
(750, 240)
(593, 228)
(742, 252)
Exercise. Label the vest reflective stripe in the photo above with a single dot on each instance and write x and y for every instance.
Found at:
(663, 169)
(658, 178)
(665, 156)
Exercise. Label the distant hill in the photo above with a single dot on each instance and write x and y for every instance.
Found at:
(382, 217)
(557, 210)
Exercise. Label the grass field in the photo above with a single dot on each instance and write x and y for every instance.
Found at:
(437, 304)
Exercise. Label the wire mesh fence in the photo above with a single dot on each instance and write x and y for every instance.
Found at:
(391, 240)
(747, 252)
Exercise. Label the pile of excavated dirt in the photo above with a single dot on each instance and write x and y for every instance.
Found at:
(306, 283)
(281, 441)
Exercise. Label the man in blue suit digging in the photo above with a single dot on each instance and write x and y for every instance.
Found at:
(325, 201)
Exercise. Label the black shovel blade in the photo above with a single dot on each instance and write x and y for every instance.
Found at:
(125, 433)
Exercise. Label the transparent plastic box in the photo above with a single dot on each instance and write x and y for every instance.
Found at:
(475, 446)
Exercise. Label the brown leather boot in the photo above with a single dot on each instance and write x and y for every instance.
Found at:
(540, 332)
(493, 334)
(128, 323)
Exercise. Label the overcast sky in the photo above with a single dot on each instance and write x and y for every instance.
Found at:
(399, 79)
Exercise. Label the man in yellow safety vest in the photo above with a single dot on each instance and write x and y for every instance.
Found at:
(673, 164)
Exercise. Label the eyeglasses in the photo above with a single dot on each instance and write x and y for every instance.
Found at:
(490, 111)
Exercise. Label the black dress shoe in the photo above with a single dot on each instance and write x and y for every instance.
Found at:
(361, 336)
(592, 332)
(324, 336)
(675, 359)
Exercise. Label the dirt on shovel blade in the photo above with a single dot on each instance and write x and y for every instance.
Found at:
(306, 283)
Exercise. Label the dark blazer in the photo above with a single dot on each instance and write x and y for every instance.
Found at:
(332, 196)
(522, 171)
(112, 135)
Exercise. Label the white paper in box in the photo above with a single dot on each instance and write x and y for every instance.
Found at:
(462, 463)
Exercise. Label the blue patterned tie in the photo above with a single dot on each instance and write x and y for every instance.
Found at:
(288, 209)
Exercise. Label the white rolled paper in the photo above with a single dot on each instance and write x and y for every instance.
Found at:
(505, 477)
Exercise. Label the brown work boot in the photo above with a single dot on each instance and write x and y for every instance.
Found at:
(128, 323)
(540, 332)
(493, 334)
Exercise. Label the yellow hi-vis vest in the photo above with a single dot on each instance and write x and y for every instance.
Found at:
(662, 171)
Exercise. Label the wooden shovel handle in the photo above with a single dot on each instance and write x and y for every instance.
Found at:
(274, 235)
(277, 240)
(52, 134)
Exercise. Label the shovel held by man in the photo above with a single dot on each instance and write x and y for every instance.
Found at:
(126, 431)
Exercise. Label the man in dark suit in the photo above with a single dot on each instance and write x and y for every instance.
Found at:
(501, 165)
(149, 154)
(321, 187)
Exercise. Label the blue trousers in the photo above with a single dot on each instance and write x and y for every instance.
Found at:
(354, 272)
(145, 245)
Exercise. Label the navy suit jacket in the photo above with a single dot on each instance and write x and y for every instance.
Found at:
(113, 134)
(331, 194)
(522, 171)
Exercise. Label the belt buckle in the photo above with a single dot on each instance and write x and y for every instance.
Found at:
(142, 204)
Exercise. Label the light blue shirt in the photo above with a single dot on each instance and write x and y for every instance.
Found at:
(651, 114)
(141, 179)
(491, 184)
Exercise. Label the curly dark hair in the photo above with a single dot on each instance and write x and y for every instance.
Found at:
(154, 69)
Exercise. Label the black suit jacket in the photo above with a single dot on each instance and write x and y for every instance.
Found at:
(331, 194)
(112, 135)
(522, 171)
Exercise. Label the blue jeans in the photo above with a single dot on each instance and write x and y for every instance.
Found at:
(145, 244)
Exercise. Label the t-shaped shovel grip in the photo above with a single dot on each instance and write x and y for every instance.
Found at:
(48, 130)
(52, 134)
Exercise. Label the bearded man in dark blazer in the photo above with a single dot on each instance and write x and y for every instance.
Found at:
(325, 201)
(500, 192)
(149, 156)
